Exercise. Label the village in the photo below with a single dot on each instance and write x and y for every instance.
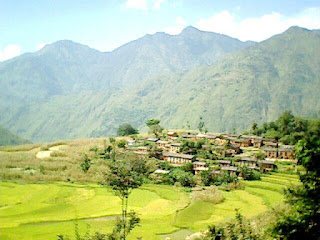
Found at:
(210, 152)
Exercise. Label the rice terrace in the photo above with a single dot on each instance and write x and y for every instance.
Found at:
(37, 204)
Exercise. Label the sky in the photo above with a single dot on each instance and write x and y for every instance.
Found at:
(28, 25)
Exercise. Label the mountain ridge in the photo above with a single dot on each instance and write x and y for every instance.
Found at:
(255, 83)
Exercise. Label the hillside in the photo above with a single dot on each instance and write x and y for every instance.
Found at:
(8, 138)
(254, 84)
(66, 67)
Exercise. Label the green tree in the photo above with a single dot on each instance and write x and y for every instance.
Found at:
(126, 129)
(123, 177)
(122, 144)
(304, 220)
(201, 124)
(154, 126)
(85, 164)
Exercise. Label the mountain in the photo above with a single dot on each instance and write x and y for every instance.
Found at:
(255, 83)
(8, 138)
(66, 67)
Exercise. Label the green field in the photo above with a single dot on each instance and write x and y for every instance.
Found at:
(42, 211)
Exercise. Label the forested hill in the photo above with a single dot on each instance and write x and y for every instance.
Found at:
(66, 67)
(8, 138)
(255, 84)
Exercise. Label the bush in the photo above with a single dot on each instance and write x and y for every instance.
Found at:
(126, 129)
(249, 174)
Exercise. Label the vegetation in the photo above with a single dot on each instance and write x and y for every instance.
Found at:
(126, 129)
(257, 83)
(123, 177)
(154, 126)
(287, 128)
(303, 222)
(249, 174)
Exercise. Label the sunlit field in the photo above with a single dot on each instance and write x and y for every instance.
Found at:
(43, 211)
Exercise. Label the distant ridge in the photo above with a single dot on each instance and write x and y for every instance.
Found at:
(74, 91)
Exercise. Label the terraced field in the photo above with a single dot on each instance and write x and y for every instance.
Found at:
(42, 211)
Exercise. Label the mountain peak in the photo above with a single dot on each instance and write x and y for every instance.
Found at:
(190, 29)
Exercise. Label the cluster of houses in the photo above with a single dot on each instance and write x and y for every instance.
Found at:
(169, 149)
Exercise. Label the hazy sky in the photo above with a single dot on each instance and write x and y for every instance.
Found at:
(27, 25)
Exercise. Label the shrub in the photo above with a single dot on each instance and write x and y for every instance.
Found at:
(249, 174)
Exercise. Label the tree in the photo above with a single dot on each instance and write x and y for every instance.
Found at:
(154, 125)
(206, 177)
(304, 220)
(126, 129)
(86, 164)
(201, 124)
(122, 144)
(254, 127)
(123, 177)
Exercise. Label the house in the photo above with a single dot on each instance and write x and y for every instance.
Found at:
(189, 136)
(230, 169)
(240, 142)
(285, 153)
(221, 141)
(198, 170)
(266, 165)
(172, 136)
(211, 137)
(257, 142)
(254, 138)
(201, 136)
(162, 144)
(218, 149)
(199, 164)
(175, 147)
(161, 172)
(233, 150)
(152, 140)
(143, 150)
(178, 159)
(271, 152)
(269, 142)
(249, 162)
(224, 163)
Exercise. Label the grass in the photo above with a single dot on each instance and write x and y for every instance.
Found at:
(41, 198)
(42, 211)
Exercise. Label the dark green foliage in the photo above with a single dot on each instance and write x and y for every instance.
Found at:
(240, 229)
(122, 144)
(186, 179)
(154, 126)
(287, 128)
(201, 124)
(126, 129)
(8, 138)
(206, 178)
(188, 167)
(225, 178)
(304, 220)
(86, 164)
(249, 174)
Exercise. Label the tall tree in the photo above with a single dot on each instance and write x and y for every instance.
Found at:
(304, 220)
(154, 125)
(123, 177)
